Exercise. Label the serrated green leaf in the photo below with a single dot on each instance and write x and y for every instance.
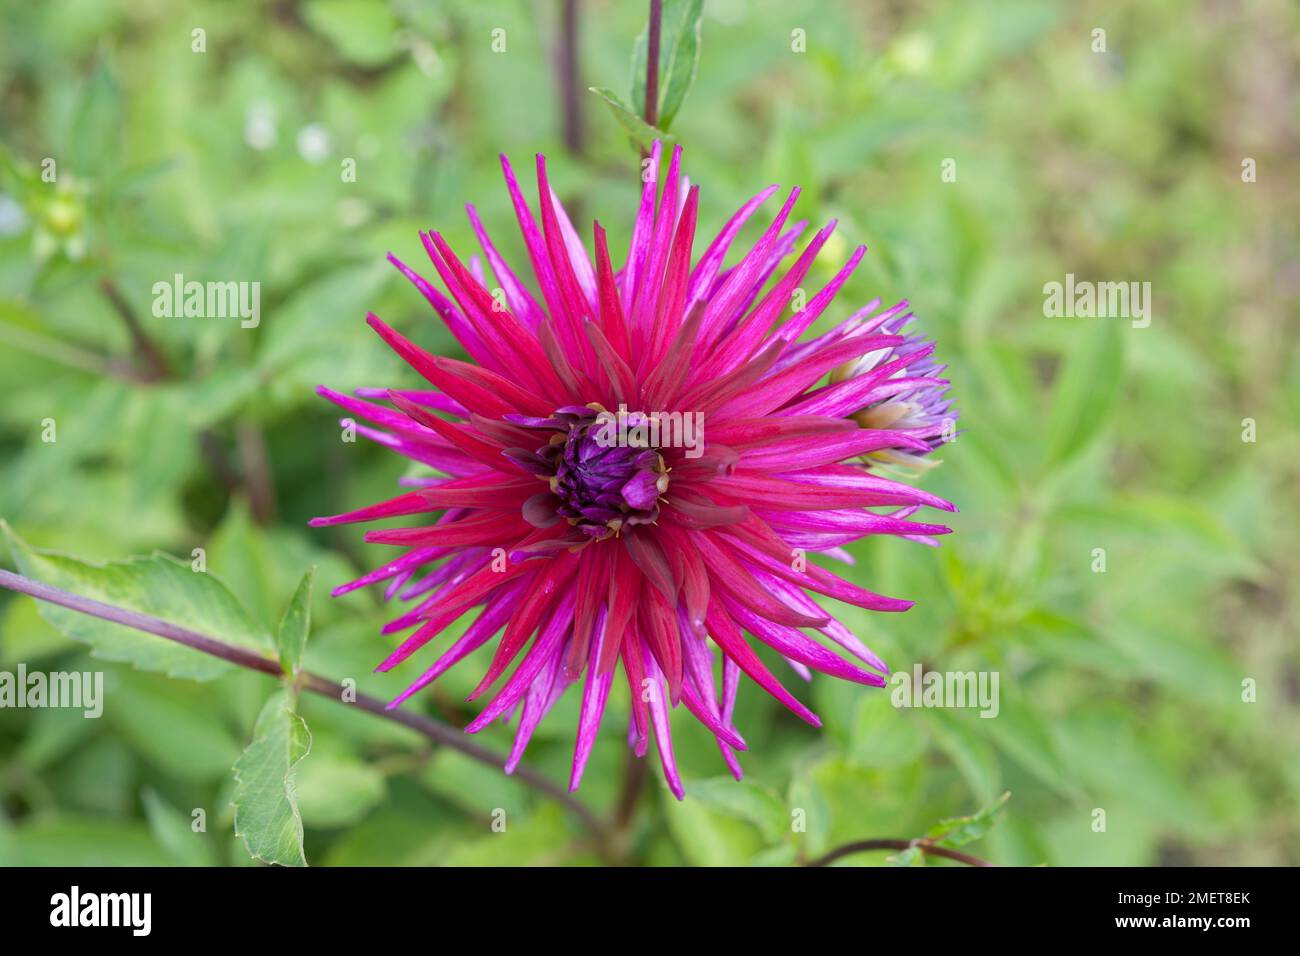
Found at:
(679, 57)
(265, 800)
(158, 585)
(295, 625)
(642, 133)
(958, 831)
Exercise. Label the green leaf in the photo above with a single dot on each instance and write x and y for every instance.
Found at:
(311, 327)
(473, 786)
(266, 800)
(294, 626)
(362, 31)
(707, 837)
(96, 123)
(172, 830)
(60, 840)
(1086, 390)
(335, 791)
(783, 854)
(912, 856)
(1021, 734)
(958, 831)
(174, 725)
(642, 133)
(973, 757)
(743, 800)
(53, 733)
(540, 839)
(806, 796)
(882, 735)
(26, 636)
(158, 585)
(679, 57)
(418, 835)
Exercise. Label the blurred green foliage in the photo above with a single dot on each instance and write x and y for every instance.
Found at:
(1121, 690)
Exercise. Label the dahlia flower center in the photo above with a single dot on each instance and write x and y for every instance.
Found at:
(599, 480)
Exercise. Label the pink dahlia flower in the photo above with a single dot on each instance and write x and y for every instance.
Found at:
(629, 472)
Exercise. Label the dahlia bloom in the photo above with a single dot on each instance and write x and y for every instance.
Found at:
(918, 404)
(600, 544)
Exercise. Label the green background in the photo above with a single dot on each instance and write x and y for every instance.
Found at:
(1120, 691)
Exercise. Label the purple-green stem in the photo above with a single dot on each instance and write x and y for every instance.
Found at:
(634, 773)
(436, 731)
(570, 84)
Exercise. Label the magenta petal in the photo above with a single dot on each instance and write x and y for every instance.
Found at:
(594, 695)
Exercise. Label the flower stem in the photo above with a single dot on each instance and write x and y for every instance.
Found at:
(570, 83)
(434, 730)
(652, 62)
(634, 777)
(256, 464)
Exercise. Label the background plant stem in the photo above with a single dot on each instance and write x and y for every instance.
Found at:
(652, 63)
(155, 367)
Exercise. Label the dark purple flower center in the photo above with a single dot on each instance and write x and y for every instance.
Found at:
(596, 484)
